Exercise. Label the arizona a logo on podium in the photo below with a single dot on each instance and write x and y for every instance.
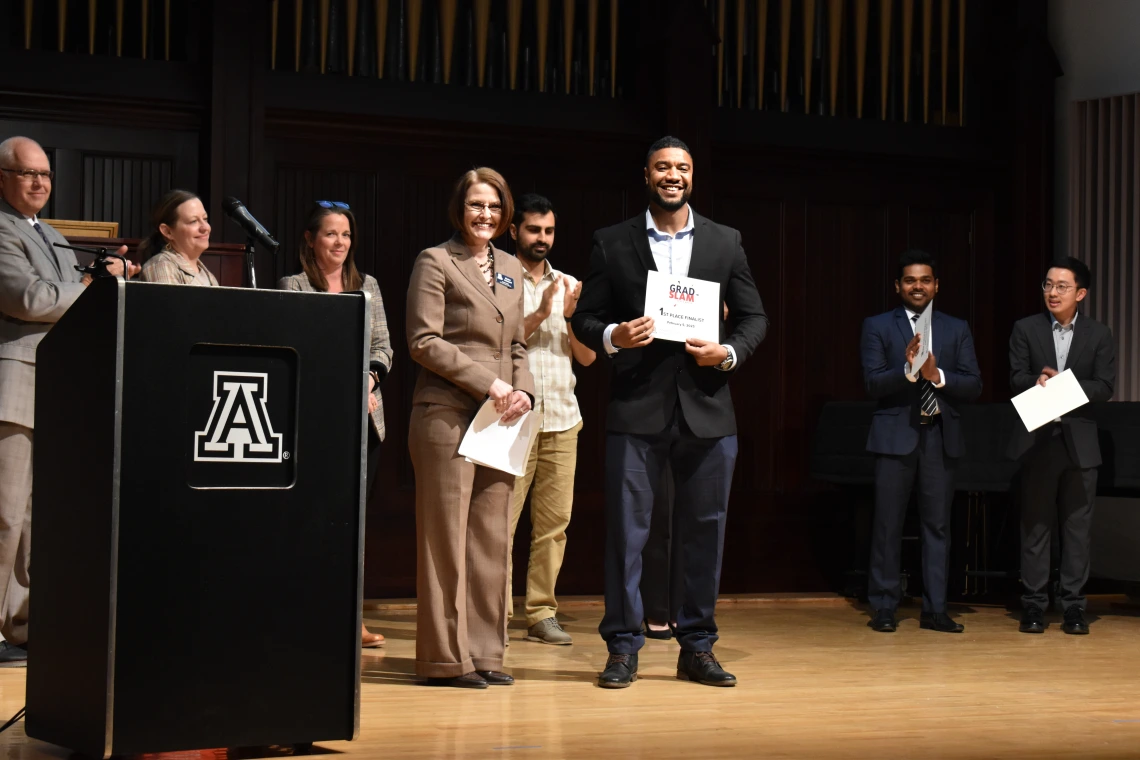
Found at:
(239, 429)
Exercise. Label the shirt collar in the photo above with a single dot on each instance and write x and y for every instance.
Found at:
(657, 234)
(1057, 325)
(547, 272)
(33, 219)
(911, 314)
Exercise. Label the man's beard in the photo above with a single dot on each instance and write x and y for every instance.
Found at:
(531, 254)
(656, 197)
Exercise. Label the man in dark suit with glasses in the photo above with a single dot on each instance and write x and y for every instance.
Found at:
(1060, 459)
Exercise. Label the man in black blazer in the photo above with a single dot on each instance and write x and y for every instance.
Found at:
(1059, 460)
(669, 403)
(916, 436)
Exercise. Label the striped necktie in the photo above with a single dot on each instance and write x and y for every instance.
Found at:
(44, 237)
(927, 402)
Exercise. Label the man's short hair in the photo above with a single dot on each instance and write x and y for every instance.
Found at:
(668, 141)
(8, 150)
(917, 256)
(1079, 269)
(532, 203)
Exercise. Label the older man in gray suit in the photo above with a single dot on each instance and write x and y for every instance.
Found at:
(38, 283)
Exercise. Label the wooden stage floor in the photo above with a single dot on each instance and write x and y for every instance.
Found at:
(815, 682)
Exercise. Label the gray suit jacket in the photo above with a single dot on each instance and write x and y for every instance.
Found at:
(381, 341)
(37, 285)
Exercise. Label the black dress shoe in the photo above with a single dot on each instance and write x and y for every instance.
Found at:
(466, 681)
(620, 672)
(939, 621)
(13, 655)
(496, 678)
(662, 635)
(1075, 621)
(1032, 620)
(884, 621)
(702, 667)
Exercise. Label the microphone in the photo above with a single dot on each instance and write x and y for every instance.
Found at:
(237, 211)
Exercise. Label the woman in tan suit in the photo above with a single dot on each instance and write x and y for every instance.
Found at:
(328, 265)
(465, 330)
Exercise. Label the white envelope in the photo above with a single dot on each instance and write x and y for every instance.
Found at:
(923, 327)
(1039, 405)
(490, 443)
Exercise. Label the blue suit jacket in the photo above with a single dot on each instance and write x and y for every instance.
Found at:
(895, 426)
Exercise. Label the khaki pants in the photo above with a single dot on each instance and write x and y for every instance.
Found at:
(553, 459)
(461, 559)
(15, 529)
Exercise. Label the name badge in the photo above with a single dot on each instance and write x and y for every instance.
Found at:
(502, 279)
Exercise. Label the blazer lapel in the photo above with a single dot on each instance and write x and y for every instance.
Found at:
(903, 323)
(699, 264)
(1044, 333)
(466, 264)
(1080, 338)
(26, 231)
(501, 292)
(639, 234)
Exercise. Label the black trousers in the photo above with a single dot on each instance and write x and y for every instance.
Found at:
(1055, 490)
(702, 477)
(894, 481)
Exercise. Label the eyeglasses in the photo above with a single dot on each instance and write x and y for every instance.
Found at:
(333, 204)
(30, 174)
(493, 209)
(1060, 288)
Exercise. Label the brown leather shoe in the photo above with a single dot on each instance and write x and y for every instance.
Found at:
(466, 681)
(370, 640)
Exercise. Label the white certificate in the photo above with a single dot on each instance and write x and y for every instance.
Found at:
(923, 327)
(1041, 404)
(501, 447)
(683, 307)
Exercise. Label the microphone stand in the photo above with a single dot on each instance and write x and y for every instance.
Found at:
(250, 274)
(97, 268)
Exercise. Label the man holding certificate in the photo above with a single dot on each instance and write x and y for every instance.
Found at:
(653, 304)
(917, 363)
(1060, 459)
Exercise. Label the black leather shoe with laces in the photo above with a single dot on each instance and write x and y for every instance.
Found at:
(1032, 620)
(620, 672)
(1075, 621)
(884, 621)
(939, 621)
(702, 667)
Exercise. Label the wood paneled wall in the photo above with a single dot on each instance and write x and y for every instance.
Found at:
(824, 206)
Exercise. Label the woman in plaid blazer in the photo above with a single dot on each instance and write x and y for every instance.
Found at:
(328, 248)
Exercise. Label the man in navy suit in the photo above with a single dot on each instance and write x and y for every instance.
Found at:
(916, 434)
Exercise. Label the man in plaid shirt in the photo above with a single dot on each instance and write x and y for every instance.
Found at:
(549, 300)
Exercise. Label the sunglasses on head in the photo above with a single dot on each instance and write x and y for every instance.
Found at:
(333, 204)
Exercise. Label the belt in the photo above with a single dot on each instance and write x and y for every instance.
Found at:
(929, 419)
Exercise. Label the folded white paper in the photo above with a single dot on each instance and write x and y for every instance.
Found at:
(490, 443)
(923, 327)
(683, 307)
(1041, 404)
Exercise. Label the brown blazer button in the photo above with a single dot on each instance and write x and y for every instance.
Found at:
(497, 354)
(499, 318)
